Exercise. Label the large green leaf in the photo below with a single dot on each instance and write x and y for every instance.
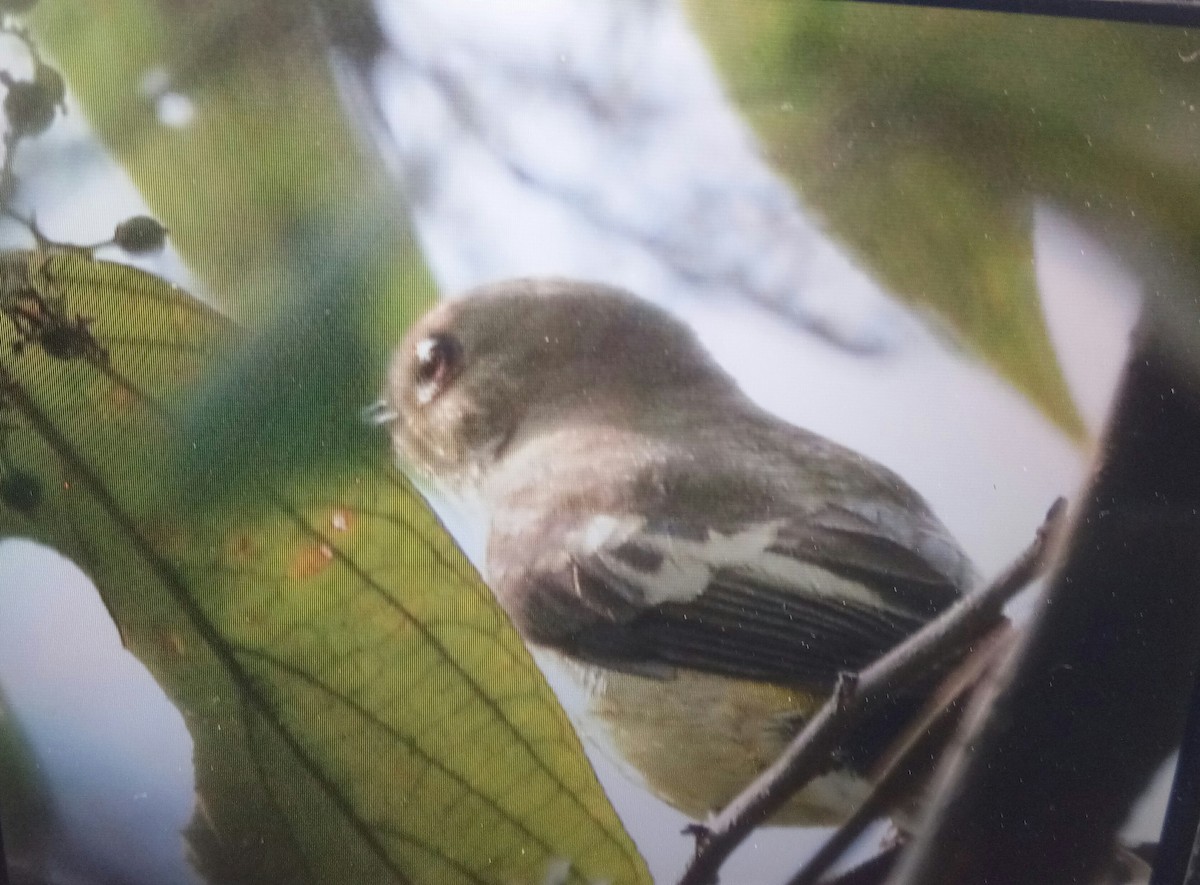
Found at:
(361, 709)
(923, 136)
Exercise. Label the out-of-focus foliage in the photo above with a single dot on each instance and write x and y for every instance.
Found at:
(361, 709)
(265, 169)
(267, 192)
(923, 137)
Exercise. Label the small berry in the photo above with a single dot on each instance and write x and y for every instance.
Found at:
(140, 234)
(29, 107)
(20, 490)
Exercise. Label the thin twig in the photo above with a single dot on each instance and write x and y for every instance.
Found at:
(809, 751)
(913, 754)
(872, 871)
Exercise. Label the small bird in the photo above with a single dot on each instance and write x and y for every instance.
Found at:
(704, 569)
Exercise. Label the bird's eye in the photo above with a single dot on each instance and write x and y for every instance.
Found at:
(439, 357)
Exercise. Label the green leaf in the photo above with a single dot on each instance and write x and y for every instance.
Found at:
(362, 711)
(266, 165)
(923, 137)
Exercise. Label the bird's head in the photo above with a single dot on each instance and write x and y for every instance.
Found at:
(512, 358)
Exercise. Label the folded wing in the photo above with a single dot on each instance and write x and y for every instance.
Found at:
(789, 601)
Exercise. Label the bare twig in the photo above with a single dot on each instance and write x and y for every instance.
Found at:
(872, 871)
(913, 754)
(809, 751)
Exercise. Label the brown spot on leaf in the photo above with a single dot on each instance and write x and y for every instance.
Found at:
(310, 561)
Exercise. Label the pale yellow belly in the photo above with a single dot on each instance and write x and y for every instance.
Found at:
(695, 740)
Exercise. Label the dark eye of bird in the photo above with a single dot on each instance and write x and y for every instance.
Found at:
(438, 358)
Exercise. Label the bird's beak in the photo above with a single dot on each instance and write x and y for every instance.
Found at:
(378, 413)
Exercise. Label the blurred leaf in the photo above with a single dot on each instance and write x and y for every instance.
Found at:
(273, 199)
(265, 163)
(924, 135)
(361, 709)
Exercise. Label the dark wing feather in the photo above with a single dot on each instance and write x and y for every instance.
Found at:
(922, 570)
(737, 627)
(827, 593)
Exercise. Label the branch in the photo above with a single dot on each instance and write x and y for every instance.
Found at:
(912, 756)
(809, 751)
(1097, 693)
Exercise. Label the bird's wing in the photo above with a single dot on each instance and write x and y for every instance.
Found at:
(789, 601)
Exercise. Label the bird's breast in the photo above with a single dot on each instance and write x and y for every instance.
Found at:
(696, 740)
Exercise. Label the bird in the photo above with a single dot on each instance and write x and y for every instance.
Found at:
(701, 569)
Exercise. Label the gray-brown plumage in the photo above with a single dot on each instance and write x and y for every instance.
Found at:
(654, 526)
